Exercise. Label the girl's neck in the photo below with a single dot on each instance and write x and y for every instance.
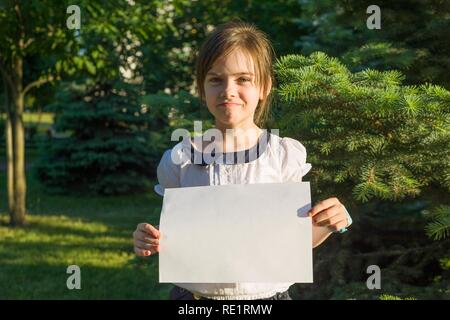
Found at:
(238, 138)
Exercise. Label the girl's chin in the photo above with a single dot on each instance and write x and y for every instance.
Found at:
(231, 118)
(231, 123)
(228, 116)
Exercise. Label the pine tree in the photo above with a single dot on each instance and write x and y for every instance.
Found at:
(112, 137)
(365, 131)
(371, 141)
(439, 228)
(108, 147)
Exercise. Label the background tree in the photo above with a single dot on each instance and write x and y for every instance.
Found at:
(169, 61)
(388, 140)
(28, 29)
(439, 227)
(371, 139)
(411, 38)
(115, 138)
(36, 47)
(107, 149)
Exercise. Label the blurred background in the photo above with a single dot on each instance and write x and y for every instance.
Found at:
(87, 107)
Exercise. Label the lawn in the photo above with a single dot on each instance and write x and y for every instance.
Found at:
(42, 121)
(94, 233)
(45, 118)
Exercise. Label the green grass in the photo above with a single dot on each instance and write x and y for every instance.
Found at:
(94, 233)
(34, 117)
(42, 122)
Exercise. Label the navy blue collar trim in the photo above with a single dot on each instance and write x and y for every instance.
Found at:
(243, 156)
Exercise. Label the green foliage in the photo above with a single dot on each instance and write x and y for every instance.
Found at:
(411, 37)
(179, 110)
(115, 137)
(390, 235)
(168, 61)
(110, 149)
(102, 49)
(370, 140)
(109, 48)
(439, 228)
(391, 297)
(364, 131)
(379, 55)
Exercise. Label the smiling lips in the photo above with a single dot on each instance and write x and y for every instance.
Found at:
(229, 104)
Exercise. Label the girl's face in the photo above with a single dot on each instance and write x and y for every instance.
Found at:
(230, 91)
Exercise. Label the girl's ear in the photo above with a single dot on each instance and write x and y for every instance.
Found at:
(264, 93)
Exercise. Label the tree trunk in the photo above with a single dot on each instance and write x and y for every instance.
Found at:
(18, 150)
(9, 149)
(19, 183)
(9, 164)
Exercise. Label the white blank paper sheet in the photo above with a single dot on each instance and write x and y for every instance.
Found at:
(236, 233)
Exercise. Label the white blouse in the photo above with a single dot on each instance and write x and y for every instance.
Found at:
(277, 160)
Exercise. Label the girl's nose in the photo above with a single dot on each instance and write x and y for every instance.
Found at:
(229, 89)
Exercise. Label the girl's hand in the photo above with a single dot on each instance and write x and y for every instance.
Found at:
(146, 239)
(329, 213)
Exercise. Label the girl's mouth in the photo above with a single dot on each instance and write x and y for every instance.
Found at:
(229, 104)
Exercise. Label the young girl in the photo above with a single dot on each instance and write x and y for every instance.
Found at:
(234, 77)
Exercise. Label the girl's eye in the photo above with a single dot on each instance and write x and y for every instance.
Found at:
(242, 79)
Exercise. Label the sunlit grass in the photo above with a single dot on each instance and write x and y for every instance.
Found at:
(94, 233)
(35, 117)
(40, 121)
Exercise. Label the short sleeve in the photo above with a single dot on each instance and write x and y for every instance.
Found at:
(293, 160)
(168, 173)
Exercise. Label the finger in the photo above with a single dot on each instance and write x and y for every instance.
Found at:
(323, 205)
(141, 252)
(148, 228)
(141, 226)
(339, 225)
(143, 236)
(145, 252)
(146, 245)
(154, 249)
(327, 214)
(329, 222)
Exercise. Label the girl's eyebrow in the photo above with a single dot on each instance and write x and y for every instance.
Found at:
(234, 74)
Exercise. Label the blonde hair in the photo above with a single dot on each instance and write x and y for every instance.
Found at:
(229, 36)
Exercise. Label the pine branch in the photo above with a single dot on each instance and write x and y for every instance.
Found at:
(362, 119)
(439, 228)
